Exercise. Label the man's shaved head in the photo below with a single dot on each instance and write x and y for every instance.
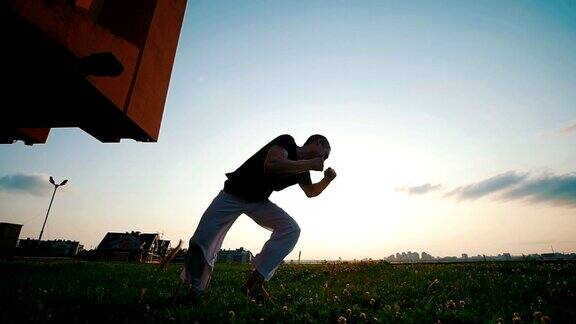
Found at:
(321, 139)
(321, 144)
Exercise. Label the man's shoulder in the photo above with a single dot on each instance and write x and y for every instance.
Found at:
(285, 137)
(283, 140)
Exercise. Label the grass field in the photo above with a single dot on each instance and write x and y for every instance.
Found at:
(330, 293)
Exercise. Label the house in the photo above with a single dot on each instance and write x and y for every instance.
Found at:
(51, 248)
(9, 234)
(132, 246)
(238, 255)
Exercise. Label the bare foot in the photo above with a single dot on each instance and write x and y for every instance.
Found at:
(254, 287)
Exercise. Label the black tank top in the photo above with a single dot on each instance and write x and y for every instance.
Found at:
(249, 181)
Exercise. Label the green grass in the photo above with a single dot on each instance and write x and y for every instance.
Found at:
(452, 293)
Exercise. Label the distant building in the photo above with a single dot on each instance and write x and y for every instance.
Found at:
(9, 234)
(413, 256)
(48, 248)
(133, 246)
(558, 257)
(239, 255)
(409, 257)
(426, 257)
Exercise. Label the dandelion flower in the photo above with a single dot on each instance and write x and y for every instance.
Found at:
(341, 320)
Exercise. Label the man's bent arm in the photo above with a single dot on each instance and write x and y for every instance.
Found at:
(314, 189)
(277, 163)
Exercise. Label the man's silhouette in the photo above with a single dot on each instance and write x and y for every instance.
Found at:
(277, 165)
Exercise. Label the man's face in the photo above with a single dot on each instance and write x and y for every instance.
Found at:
(319, 151)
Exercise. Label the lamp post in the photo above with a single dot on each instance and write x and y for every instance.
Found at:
(51, 200)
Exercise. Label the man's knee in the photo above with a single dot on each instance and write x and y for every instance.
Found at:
(295, 230)
(290, 229)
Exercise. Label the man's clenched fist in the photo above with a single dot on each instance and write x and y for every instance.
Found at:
(330, 174)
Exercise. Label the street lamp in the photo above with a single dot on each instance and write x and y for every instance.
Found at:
(51, 200)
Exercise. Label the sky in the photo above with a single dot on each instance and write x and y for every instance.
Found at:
(452, 126)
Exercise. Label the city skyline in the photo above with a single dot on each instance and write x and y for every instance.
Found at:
(404, 256)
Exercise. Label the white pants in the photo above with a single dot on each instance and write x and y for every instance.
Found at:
(217, 220)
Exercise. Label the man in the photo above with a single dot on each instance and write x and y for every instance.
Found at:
(277, 165)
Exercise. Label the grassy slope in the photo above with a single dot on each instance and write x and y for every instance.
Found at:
(112, 292)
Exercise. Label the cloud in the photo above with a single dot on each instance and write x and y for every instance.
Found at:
(420, 190)
(31, 183)
(557, 190)
(553, 189)
(488, 186)
(570, 129)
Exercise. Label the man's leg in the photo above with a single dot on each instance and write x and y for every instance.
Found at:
(207, 240)
(285, 234)
(198, 271)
